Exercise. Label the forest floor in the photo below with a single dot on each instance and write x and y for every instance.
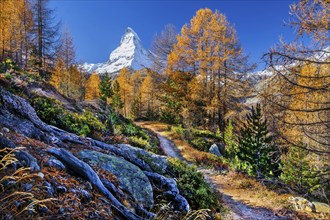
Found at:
(243, 197)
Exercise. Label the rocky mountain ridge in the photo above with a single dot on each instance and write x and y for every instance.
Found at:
(130, 53)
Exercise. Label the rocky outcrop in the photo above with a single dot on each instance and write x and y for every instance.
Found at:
(321, 207)
(126, 162)
(86, 171)
(132, 178)
(215, 150)
(171, 191)
(145, 160)
(302, 204)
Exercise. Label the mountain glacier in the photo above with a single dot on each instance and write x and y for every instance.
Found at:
(130, 53)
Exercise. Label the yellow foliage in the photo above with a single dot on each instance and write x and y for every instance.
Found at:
(92, 87)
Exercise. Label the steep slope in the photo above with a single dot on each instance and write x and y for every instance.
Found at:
(130, 53)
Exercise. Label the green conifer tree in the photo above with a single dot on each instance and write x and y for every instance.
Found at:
(256, 149)
(298, 172)
(231, 144)
(106, 88)
(116, 101)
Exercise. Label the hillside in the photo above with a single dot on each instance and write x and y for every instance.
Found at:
(58, 173)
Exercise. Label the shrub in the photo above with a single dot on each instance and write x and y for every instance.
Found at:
(8, 64)
(178, 131)
(139, 142)
(118, 129)
(206, 133)
(51, 111)
(8, 76)
(201, 144)
(298, 172)
(192, 185)
(212, 161)
(130, 129)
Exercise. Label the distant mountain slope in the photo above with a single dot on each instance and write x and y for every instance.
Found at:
(130, 53)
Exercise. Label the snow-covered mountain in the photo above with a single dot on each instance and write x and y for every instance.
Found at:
(130, 53)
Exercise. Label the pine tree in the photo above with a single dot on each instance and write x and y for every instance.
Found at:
(231, 142)
(297, 171)
(256, 148)
(116, 101)
(136, 106)
(106, 88)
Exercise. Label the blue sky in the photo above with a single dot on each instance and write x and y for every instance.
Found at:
(97, 26)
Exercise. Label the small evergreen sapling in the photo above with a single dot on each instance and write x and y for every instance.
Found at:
(298, 172)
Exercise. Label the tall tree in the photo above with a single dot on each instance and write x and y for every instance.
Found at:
(300, 92)
(46, 31)
(208, 48)
(116, 101)
(162, 46)
(66, 53)
(106, 90)
(123, 79)
(15, 27)
(256, 147)
(93, 87)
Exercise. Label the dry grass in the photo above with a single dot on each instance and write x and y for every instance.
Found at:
(14, 201)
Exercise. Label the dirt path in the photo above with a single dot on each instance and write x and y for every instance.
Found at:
(238, 209)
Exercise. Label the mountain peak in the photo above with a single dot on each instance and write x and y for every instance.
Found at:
(130, 53)
(130, 36)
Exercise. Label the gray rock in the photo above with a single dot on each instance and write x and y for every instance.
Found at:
(321, 207)
(41, 175)
(144, 160)
(131, 176)
(301, 204)
(5, 130)
(215, 150)
(156, 162)
(55, 163)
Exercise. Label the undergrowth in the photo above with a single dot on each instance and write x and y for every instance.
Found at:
(52, 112)
(192, 185)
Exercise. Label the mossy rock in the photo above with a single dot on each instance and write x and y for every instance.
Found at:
(321, 207)
(131, 176)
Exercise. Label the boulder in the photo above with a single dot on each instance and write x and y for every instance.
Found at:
(131, 176)
(321, 207)
(215, 150)
(301, 204)
(144, 160)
